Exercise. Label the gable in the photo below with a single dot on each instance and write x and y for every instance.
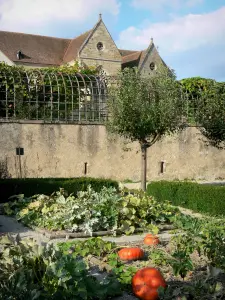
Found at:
(148, 57)
(109, 51)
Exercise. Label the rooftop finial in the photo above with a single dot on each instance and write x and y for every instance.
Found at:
(152, 39)
(100, 16)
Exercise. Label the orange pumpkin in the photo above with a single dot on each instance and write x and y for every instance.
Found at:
(131, 253)
(151, 239)
(146, 282)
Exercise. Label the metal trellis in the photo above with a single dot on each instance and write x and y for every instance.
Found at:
(52, 96)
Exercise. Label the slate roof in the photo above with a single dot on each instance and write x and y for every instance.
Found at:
(36, 49)
(126, 52)
(74, 47)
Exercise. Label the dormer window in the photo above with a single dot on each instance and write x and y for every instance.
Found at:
(100, 46)
(152, 66)
(19, 54)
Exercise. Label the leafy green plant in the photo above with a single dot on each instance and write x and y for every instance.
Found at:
(123, 272)
(44, 272)
(92, 211)
(206, 236)
(158, 257)
(181, 263)
(89, 211)
(94, 246)
(211, 243)
(197, 290)
(142, 211)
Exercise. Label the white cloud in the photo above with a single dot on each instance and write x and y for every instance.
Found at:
(179, 34)
(193, 45)
(27, 15)
(161, 4)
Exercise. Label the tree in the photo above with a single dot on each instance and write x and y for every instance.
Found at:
(210, 114)
(192, 89)
(206, 103)
(144, 109)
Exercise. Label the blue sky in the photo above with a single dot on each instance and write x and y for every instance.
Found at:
(190, 34)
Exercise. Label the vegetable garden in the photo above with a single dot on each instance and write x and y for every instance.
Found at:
(188, 264)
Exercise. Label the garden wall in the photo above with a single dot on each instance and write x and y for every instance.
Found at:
(62, 150)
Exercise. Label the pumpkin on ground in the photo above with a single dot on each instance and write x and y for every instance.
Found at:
(146, 282)
(151, 239)
(131, 253)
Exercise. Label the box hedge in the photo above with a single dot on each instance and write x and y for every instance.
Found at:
(203, 198)
(32, 186)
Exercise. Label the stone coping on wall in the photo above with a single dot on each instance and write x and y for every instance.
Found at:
(51, 122)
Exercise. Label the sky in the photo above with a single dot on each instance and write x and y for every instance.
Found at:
(189, 34)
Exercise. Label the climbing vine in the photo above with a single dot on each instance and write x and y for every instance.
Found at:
(54, 93)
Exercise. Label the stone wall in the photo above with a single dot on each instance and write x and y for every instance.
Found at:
(61, 150)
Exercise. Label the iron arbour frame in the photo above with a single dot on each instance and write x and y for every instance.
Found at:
(52, 96)
(56, 96)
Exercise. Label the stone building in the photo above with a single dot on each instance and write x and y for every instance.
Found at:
(92, 48)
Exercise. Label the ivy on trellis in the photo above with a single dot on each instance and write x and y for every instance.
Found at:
(66, 93)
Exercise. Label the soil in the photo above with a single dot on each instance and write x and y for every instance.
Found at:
(176, 282)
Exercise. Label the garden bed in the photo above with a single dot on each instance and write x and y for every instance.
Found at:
(91, 213)
(195, 284)
(188, 245)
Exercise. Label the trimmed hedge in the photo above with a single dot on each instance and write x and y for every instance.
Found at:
(198, 197)
(32, 186)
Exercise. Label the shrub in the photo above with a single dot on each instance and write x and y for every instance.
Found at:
(32, 186)
(198, 197)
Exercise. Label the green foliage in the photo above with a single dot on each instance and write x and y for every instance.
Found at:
(206, 101)
(140, 210)
(32, 186)
(93, 246)
(104, 250)
(92, 211)
(181, 263)
(158, 257)
(31, 271)
(123, 272)
(89, 211)
(211, 243)
(194, 86)
(206, 236)
(210, 114)
(144, 108)
(207, 289)
(25, 85)
(198, 197)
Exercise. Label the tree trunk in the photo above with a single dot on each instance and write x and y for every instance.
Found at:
(143, 166)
